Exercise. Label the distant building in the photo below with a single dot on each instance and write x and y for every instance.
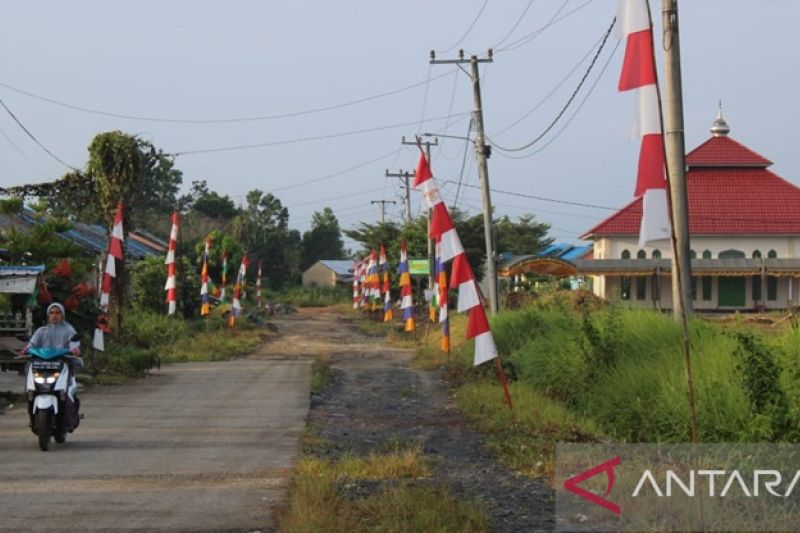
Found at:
(329, 273)
(744, 226)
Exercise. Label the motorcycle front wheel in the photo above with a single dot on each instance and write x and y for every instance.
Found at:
(43, 428)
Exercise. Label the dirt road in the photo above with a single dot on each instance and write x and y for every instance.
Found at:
(195, 447)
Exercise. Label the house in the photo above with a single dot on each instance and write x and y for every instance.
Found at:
(744, 226)
(329, 273)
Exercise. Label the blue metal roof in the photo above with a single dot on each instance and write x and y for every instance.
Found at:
(576, 252)
(94, 238)
(342, 267)
(20, 270)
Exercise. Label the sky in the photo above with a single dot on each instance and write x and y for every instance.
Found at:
(315, 96)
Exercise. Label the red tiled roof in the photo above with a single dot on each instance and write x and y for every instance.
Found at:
(724, 152)
(738, 196)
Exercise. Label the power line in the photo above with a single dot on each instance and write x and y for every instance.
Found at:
(223, 120)
(19, 150)
(307, 139)
(338, 173)
(569, 101)
(572, 117)
(514, 27)
(535, 33)
(43, 147)
(553, 91)
(542, 198)
(469, 29)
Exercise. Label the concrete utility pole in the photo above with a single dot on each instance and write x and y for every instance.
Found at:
(483, 152)
(431, 258)
(383, 207)
(404, 175)
(676, 165)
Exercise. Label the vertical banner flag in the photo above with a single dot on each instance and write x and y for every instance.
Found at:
(362, 277)
(443, 232)
(406, 297)
(236, 306)
(639, 74)
(356, 269)
(388, 313)
(114, 253)
(433, 308)
(441, 286)
(372, 282)
(224, 276)
(170, 262)
(258, 287)
(204, 306)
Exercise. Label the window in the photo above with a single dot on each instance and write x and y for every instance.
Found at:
(707, 288)
(641, 287)
(641, 254)
(756, 281)
(656, 254)
(625, 281)
(732, 254)
(693, 255)
(707, 254)
(772, 282)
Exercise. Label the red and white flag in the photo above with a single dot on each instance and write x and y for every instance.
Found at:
(114, 253)
(258, 287)
(639, 74)
(444, 233)
(170, 262)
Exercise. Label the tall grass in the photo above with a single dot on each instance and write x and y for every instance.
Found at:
(625, 370)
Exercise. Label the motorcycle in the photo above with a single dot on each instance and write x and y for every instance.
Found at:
(52, 395)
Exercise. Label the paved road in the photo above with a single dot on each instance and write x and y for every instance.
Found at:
(204, 446)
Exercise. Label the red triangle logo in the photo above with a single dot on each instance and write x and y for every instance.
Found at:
(608, 468)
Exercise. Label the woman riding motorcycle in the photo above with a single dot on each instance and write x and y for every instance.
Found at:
(59, 333)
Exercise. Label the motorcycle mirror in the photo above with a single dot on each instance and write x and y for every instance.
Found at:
(75, 338)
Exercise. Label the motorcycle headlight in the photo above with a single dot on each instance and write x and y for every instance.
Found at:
(41, 379)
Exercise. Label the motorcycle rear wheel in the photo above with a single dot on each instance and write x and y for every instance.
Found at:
(43, 428)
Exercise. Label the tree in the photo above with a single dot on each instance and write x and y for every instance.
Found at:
(209, 203)
(522, 237)
(262, 230)
(322, 241)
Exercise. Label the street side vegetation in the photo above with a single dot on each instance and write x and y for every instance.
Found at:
(585, 371)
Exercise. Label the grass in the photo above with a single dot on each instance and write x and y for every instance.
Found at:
(320, 499)
(320, 373)
(525, 438)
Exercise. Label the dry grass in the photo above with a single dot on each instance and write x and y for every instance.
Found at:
(318, 500)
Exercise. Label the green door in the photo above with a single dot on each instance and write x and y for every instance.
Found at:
(731, 291)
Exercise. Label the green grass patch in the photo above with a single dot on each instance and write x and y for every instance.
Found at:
(320, 373)
(319, 501)
(523, 438)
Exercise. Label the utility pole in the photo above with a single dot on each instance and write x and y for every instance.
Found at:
(431, 258)
(404, 175)
(676, 167)
(676, 164)
(483, 152)
(383, 207)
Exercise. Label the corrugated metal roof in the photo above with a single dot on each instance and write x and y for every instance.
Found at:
(342, 267)
(90, 237)
(17, 270)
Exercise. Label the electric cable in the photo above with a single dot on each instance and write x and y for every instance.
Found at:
(43, 147)
(514, 27)
(337, 173)
(469, 29)
(223, 120)
(304, 139)
(569, 101)
(553, 20)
